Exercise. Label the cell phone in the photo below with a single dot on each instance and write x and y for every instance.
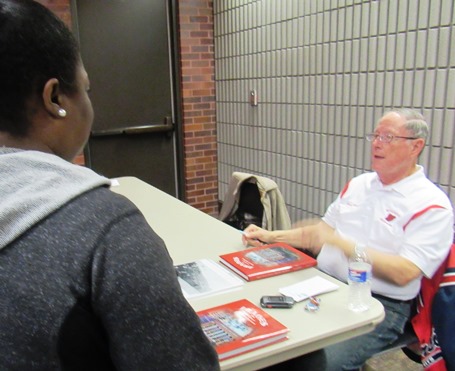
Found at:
(278, 301)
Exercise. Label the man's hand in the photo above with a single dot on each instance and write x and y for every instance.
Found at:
(256, 236)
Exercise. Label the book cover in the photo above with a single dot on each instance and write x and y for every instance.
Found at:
(205, 277)
(239, 327)
(267, 260)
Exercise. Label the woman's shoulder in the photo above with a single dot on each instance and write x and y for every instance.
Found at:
(100, 204)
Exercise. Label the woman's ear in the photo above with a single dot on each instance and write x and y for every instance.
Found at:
(52, 99)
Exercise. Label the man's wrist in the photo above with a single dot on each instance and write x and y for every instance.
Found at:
(270, 237)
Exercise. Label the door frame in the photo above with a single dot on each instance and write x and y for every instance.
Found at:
(174, 56)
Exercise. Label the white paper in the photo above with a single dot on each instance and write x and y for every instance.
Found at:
(114, 182)
(310, 287)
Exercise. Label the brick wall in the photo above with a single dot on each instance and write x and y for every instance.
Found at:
(198, 93)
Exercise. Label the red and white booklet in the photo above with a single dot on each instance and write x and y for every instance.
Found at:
(239, 327)
(266, 261)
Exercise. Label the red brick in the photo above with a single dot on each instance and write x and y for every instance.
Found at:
(199, 35)
(199, 19)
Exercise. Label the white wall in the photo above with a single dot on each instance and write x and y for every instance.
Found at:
(325, 71)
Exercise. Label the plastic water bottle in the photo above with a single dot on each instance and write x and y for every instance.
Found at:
(359, 280)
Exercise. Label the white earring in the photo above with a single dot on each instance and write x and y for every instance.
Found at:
(61, 112)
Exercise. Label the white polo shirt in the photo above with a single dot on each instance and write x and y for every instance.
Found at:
(412, 218)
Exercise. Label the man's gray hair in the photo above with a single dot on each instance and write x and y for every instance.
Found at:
(415, 122)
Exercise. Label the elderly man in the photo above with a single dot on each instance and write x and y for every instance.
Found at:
(402, 220)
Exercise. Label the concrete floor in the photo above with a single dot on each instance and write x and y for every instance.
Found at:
(392, 361)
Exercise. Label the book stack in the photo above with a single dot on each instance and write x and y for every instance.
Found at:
(239, 327)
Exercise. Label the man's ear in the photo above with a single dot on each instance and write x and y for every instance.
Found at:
(52, 98)
(418, 145)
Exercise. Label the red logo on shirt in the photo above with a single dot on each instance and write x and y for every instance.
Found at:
(390, 217)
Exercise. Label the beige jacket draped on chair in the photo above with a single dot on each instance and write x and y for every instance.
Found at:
(275, 214)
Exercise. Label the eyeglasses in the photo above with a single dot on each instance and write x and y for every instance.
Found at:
(385, 138)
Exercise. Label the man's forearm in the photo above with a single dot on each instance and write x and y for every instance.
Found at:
(392, 268)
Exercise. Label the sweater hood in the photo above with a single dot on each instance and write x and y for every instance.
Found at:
(33, 185)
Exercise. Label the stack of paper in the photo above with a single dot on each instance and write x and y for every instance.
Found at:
(310, 287)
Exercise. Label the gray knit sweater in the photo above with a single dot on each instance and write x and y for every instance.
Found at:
(89, 286)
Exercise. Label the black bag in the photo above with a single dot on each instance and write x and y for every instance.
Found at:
(250, 209)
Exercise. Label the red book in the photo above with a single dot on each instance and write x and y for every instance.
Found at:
(267, 260)
(239, 327)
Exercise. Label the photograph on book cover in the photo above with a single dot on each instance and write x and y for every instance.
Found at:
(273, 256)
(205, 277)
(266, 260)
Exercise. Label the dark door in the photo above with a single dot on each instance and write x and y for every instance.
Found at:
(126, 49)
